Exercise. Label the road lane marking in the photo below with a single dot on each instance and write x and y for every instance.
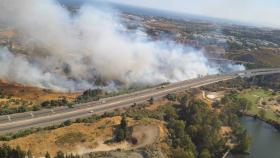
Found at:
(174, 87)
(209, 81)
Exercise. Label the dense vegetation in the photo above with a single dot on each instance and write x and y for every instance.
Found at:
(233, 108)
(5, 110)
(268, 82)
(194, 127)
(8, 152)
(55, 103)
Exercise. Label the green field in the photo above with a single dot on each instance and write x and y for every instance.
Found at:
(255, 95)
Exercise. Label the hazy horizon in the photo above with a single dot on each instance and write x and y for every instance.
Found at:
(257, 12)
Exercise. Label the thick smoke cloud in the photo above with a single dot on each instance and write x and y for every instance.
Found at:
(19, 69)
(76, 52)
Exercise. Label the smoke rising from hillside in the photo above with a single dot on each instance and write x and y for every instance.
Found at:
(77, 52)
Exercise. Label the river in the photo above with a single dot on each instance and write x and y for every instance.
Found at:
(265, 139)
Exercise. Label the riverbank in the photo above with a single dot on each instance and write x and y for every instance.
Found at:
(265, 102)
(265, 139)
(271, 122)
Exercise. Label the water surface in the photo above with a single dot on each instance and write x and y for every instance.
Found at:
(265, 139)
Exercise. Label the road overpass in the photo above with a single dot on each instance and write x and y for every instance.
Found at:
(223, 60)
(47, 117)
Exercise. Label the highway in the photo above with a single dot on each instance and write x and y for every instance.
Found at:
(223, 60)
(47, 117)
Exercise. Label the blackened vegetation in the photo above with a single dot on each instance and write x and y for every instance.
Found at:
(96, 94)
(55, 103)
(90, 95)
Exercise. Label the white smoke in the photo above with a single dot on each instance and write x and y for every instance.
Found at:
(77, 51)
(19, 69)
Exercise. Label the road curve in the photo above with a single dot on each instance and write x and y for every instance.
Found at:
(47, 117)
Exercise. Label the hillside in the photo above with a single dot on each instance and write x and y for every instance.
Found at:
(82, 138)
(15, 95)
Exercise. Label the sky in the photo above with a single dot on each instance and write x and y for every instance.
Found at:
(258, 12)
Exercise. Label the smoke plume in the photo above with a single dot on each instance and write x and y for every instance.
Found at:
(89, 49)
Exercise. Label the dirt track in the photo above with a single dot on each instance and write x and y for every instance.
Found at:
(144, 135)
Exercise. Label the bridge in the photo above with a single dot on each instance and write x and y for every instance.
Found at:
(47, 117)
(222, 60)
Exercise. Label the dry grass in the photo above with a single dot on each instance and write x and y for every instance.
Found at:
(32, 94)
(80, 137)
(157, 104)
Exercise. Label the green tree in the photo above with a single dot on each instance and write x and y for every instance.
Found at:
(120, 135)
(178, 128)
(244, 141)
(29, 154)
(181, 153)
(18, 153)
(184, 100)
(245, 104)
(47, 155)
(59, 154)
(123, 123)
(188, 145)
(151, 100)
(5, 150)
(171, 97)
(122, 130)
(170, 113)
(205, 153)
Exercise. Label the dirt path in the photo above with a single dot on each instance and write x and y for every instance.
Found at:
(144, 135)
(105, 147)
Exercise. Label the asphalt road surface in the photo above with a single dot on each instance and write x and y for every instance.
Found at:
(47, 117)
